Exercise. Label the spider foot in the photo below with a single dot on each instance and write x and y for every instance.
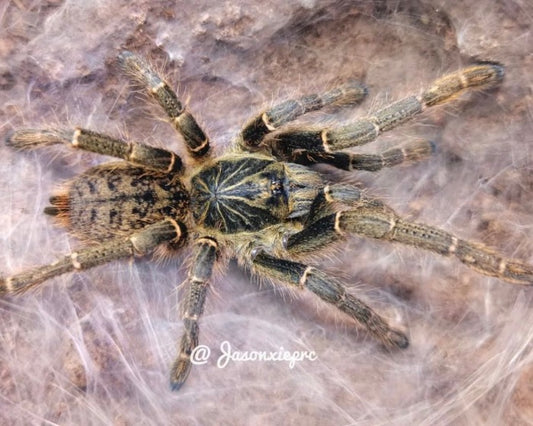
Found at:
(180, 372)
(395, 338)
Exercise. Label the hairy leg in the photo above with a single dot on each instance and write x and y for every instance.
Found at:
(152, 158)
(197, 281)
(139, 243)
(332, 291)
(373, 219)
(414, 151)
(142, 73)
(360, 132)
(255, 130)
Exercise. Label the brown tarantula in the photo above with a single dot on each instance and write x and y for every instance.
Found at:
(260, 202)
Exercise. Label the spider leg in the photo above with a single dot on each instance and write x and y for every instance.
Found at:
(152, 158)
(331, 291)
(374, 219)
(142, 73)
(138, 243)
(206, 252)
(341, 193)
(253, 132)
(360, 132)
(414, 151)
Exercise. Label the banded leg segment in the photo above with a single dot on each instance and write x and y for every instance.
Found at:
(341, 193)
(331, 291)
(367, 129)
(378, 221)
(152, 158)
(258, 127)
(206, 252)
(415, 151)
(138, 244)
(142, 73)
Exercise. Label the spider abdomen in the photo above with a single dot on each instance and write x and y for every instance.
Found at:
(117, 199)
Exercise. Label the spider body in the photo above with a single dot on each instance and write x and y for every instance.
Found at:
(260, 202)
(237, 193)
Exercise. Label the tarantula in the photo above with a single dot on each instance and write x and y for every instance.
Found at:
(260, 202)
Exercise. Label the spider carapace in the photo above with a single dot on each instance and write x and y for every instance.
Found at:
(247, 193)
(261, 202)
